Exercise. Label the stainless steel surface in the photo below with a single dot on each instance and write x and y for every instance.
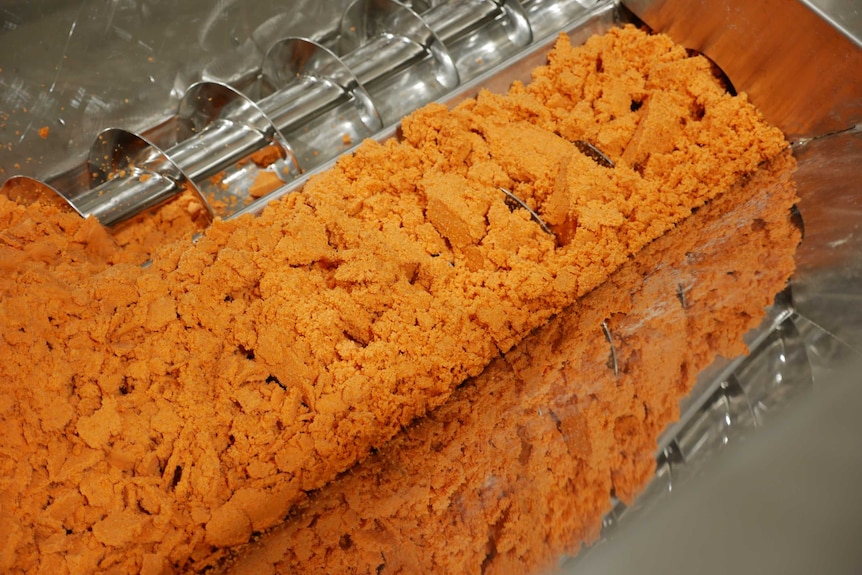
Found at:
(781, 501)
(827, 287)
(382, 37)
(802, 71)
(745, 398)
(144, 174)
(215, 107)
(216, 126)
(77, 68)
(722, 370)
(845, 15)
(307, 76)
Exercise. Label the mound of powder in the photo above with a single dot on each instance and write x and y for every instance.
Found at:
(519, 466)
(155, 418)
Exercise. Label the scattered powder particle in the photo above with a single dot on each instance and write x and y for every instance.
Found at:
(44, 131)
(218, 180)
(267, 156)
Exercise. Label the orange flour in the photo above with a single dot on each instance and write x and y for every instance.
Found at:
(155, 418)
(519, 466)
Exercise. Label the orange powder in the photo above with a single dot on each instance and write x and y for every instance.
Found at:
(519, 466)
(154, 418)
(266, 156)
(139, 237)
(264, 183)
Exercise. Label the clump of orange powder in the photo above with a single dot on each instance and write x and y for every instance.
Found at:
(155, 418)
(519, 466)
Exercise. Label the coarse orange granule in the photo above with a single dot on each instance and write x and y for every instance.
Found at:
(266, 156)
(264, 183)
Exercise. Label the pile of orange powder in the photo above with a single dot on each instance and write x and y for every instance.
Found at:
(156, 419)
(519, 466)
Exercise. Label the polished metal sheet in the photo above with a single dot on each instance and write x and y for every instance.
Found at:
(781, 500)
(72, 69)
(827, 287)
